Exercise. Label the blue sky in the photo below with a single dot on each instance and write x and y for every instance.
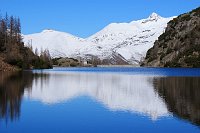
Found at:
(85, 17)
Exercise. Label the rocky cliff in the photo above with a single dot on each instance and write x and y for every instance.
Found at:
(179, 45)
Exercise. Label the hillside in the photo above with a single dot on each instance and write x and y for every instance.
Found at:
(117, 43)
(13, 54)
(5, 66)
(179, 46)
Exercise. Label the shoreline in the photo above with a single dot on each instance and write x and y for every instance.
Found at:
(118, 65)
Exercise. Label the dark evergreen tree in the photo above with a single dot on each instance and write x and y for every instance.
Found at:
(12, 49)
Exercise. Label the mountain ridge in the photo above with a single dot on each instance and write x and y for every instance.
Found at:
(123, 40)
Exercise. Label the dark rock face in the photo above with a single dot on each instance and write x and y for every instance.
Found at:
(179, 45)
(115, 59)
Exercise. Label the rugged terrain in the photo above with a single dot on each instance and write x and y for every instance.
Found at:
(179, 45)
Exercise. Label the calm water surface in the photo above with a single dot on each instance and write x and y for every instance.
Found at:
(100, 100)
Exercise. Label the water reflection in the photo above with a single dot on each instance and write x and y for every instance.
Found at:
(182, 96)
(116, 91)
(146, 95)
(12, 87)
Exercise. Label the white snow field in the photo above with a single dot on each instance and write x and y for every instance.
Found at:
(130, 41)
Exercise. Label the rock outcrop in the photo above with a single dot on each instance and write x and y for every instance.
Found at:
(6, 67)
(179, 45)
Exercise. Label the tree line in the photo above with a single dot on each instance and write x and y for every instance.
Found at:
(12, 48)
(10, 31)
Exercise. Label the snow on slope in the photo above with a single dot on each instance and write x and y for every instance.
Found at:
(129, 40)
(59, 43)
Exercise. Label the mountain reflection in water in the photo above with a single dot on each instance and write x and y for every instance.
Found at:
(182, 96)
(147, 95)
(116, 91)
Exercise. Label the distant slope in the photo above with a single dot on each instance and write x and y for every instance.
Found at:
(60, 44)
(179, 46)
(117, 43)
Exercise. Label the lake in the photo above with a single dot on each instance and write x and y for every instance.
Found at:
(100, 100)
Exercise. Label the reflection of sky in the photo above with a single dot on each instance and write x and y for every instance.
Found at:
(84, 115)
(118, 92)
(178, 72)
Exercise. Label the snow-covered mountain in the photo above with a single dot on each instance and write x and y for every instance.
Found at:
(117, 41)
(59, 43)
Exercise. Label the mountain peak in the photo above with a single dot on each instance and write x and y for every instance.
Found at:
(47, 30)
(154, 16)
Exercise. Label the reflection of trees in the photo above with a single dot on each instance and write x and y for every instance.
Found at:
(182, 96)
(11, 90)
(12, 86)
